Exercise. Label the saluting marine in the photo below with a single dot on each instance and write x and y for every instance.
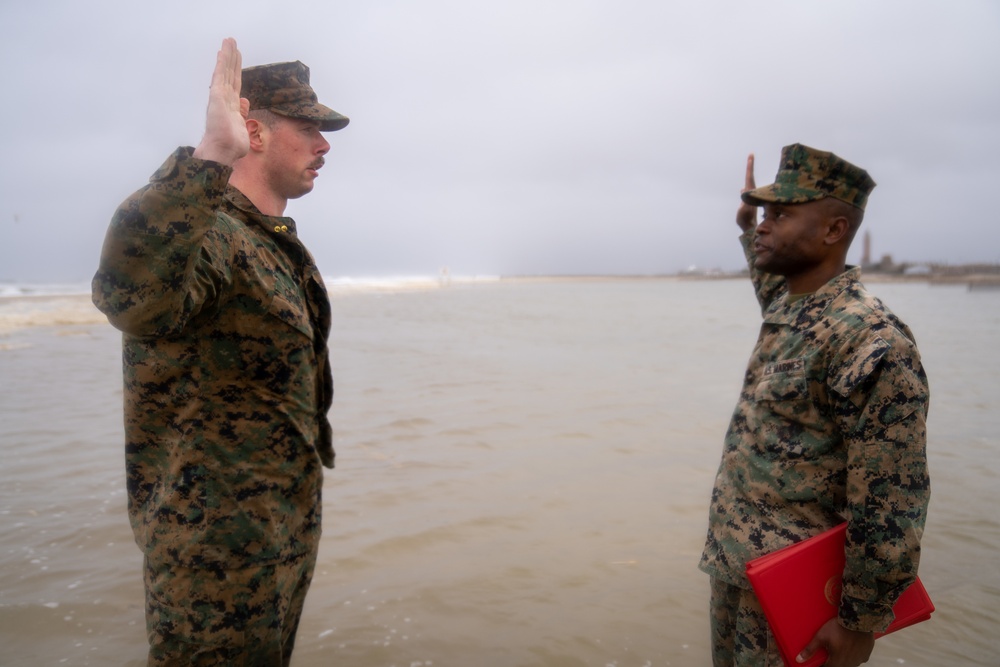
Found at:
(830, 423)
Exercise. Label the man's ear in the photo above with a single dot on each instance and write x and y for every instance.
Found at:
(256, 130)
(837, 230)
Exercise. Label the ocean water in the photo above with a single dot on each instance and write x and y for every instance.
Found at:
(522, 478)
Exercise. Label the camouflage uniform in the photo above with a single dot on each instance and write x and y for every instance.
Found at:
(227, 385)
(830, 425)
(227, 382)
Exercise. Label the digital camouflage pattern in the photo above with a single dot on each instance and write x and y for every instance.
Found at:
(806, 174)
(225, 617)
(284, 89)
(739, 631)
(227, 381)
(830, 425)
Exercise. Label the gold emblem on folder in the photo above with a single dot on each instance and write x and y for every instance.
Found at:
(832, 590)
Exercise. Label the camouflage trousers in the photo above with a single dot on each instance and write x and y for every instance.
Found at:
(214, 617)
(740, 634)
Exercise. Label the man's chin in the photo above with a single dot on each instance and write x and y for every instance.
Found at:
(766, 266)
(302, 192)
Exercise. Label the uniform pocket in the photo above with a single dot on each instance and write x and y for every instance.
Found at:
(288, 303)
(291, 309)
(859, 366)
(787, 423)
(782, 392)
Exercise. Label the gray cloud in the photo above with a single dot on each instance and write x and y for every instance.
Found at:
(551, 136)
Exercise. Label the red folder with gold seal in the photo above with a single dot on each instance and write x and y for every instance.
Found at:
(799, 589)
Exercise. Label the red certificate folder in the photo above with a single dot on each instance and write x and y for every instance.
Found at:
(799, 589)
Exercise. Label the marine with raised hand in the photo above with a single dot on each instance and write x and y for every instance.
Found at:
(830, 424)
(227, 380)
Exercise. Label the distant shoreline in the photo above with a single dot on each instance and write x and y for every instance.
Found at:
(42, 298)
(973, 279)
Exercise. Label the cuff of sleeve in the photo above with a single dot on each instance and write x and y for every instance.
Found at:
(190, 178)
(864, 616)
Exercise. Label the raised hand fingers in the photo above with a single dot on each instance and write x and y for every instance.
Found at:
(225, 139)
(746, 215)
(750, 182)
(228, 66)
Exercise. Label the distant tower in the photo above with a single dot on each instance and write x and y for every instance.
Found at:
(866, 254)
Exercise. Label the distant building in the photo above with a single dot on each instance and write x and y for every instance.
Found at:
(884, 265)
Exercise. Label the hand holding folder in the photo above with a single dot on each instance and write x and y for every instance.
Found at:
(799, 589)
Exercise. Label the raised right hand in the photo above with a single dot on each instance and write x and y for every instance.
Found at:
(746, 215)
(226, 139)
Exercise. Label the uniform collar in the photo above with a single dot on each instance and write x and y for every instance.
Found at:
(281, 225)
(810, 307)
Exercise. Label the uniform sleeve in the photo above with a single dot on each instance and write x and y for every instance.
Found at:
(882, 409)
(768, 286)
(165, 259)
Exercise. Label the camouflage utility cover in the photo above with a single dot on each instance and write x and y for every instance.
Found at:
(227, 380)
(284, 89)
(806, 174)
(830, 425)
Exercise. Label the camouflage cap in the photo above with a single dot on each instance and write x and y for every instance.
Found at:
(284, 89)
(806, 174)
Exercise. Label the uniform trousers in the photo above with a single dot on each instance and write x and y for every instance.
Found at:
(740, 633)
(208, 617)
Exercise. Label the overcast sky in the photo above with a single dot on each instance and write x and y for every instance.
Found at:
(514, 137)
